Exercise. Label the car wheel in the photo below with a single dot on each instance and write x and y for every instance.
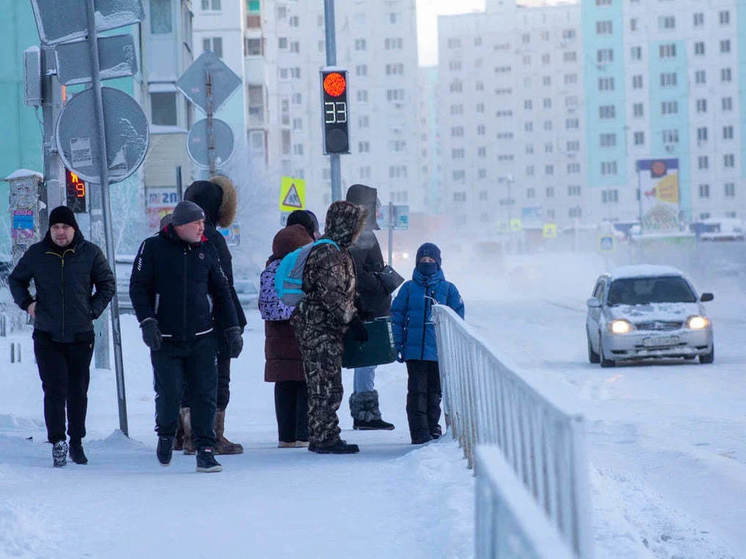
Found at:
(593, 357)
(605, 363)
(707, 358)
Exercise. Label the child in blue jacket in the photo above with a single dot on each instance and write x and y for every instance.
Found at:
(414, 334)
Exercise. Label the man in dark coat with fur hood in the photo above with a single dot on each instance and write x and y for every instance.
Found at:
(218, 199)
(374, 300)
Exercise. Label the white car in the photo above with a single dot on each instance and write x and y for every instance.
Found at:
(647, 312)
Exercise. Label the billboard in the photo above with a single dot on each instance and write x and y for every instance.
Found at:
(659, 194)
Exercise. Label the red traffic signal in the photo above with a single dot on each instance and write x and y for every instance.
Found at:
(334, 111)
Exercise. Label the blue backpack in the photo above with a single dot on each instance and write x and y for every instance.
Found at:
(289, 274)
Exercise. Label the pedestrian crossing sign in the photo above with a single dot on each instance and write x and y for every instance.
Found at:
(516, 224)
(550, 231)
(292, 194)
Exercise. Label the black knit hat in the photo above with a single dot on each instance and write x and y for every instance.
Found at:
(305, 218)
(186, 212)
(63, 214)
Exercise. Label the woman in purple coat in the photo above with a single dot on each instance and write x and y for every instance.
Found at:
(284, 365)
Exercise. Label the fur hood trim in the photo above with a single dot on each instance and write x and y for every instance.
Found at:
(229, 206)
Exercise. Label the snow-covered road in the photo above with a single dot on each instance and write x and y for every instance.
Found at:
(667, 440)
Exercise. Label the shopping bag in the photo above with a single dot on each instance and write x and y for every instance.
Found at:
(378, 350)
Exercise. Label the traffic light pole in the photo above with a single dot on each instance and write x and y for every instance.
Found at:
(331, 60)
(54, 170)
(106, 207)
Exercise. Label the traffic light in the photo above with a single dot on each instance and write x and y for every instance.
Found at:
(334, 110)
(76, 192)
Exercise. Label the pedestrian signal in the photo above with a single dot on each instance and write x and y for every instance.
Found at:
(76, 192)
(334, 111)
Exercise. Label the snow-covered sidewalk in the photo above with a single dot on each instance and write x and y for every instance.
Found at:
(391, 500)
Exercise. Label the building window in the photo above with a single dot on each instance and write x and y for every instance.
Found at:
(638, 110)
(570, 56)
(704, 190)
(163, 108)
(459, 196)
(453, 43)
(256, 104)
(573, 168)
(726, 75)
(700, 77)
(253, 47)
(669, 107)
(724, 17)
(667, 50)
(398, 43)
(393, 69)
(635, 53)
(607, 140)
(575, 212)
(573, 190)
(548, 169)
(608, 168)
(214, 44)
(699, 19)
(699, 48)
(361, 44)
(481, 129)
(639, 138)
(703, 162)
(701, 105)
(666, 22)
(610, 196)
(637, 82)
(294, 21)
(607, 111)
(530, 193)
(727, 103)
(161, 18)
(604, 55)
(727, 132)
(363, 147)
(702, 134)
(730, 190)
(606, 84)
(670, 136)
(725, 46)
(729, 160)
(213, 5)
(572, 123)
(668, 79)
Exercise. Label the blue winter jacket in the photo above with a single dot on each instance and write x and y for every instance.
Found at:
(414, 332)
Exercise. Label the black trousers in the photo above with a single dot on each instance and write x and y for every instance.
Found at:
(65, 373)
(193, 365)
(423, 397)
(224, 381)
(291, 408)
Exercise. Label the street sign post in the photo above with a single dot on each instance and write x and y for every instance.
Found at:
(127, 135)
(198, 144)
(116, 53)
(102, 133)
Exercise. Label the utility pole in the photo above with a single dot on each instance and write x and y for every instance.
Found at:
(53, 192)
(331, 60)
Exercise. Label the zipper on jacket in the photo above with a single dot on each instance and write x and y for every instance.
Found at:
(184, 310)
(62, 281)
(424, 325)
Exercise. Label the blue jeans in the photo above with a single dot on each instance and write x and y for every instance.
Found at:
(364, 380)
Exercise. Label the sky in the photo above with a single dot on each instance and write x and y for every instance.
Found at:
(427, 22)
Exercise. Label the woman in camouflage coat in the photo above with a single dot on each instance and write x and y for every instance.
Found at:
(320, 321)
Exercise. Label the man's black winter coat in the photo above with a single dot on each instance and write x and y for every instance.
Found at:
(177, 283)
(374, 299)
(216, 238)
(64, 278)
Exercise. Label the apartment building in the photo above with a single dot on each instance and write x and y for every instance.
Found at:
(664, 80)
(377, 44)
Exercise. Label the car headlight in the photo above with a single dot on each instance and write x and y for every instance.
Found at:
(620, 327)
(697, 322)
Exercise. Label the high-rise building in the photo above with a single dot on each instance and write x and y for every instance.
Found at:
(377, 45)
(510, 91)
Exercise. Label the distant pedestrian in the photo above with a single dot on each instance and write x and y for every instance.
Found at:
(320, 321)
(183, 302)
(374, 301)
(414, 335)
(65, 269)
(284, 364)
(219, 200)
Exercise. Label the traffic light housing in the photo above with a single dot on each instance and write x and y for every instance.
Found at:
(334, 111)
(77, 192)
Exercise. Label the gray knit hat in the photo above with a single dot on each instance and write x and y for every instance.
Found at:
(186, 212)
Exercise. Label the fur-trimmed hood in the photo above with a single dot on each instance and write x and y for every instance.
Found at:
(217, 197)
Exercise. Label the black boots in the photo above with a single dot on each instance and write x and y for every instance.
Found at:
(165, 449)
(373, 425)
(76, 453)
(59, 454)
(365, 412)
(337, 447)
(206, 461)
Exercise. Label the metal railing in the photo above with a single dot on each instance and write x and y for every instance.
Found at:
(543, 443)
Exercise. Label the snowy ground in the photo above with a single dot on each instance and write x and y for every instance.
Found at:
(666, 442)
(391, 500)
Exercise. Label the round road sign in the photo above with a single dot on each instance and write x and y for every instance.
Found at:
(197, 142)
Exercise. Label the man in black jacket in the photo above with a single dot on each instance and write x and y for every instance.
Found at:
(373, 300)
(176, 279)
(218, 199)
(65, 269)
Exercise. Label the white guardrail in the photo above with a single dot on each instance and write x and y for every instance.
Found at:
(532, 483)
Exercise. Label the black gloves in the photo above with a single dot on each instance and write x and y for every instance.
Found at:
(151, 334)
(357, 330)
(234, 340)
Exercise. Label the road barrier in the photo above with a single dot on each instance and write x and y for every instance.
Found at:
(540, 445)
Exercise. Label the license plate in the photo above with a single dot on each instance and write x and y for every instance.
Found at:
(660, 341)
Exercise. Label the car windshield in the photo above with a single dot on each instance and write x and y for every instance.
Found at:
(643, 291)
